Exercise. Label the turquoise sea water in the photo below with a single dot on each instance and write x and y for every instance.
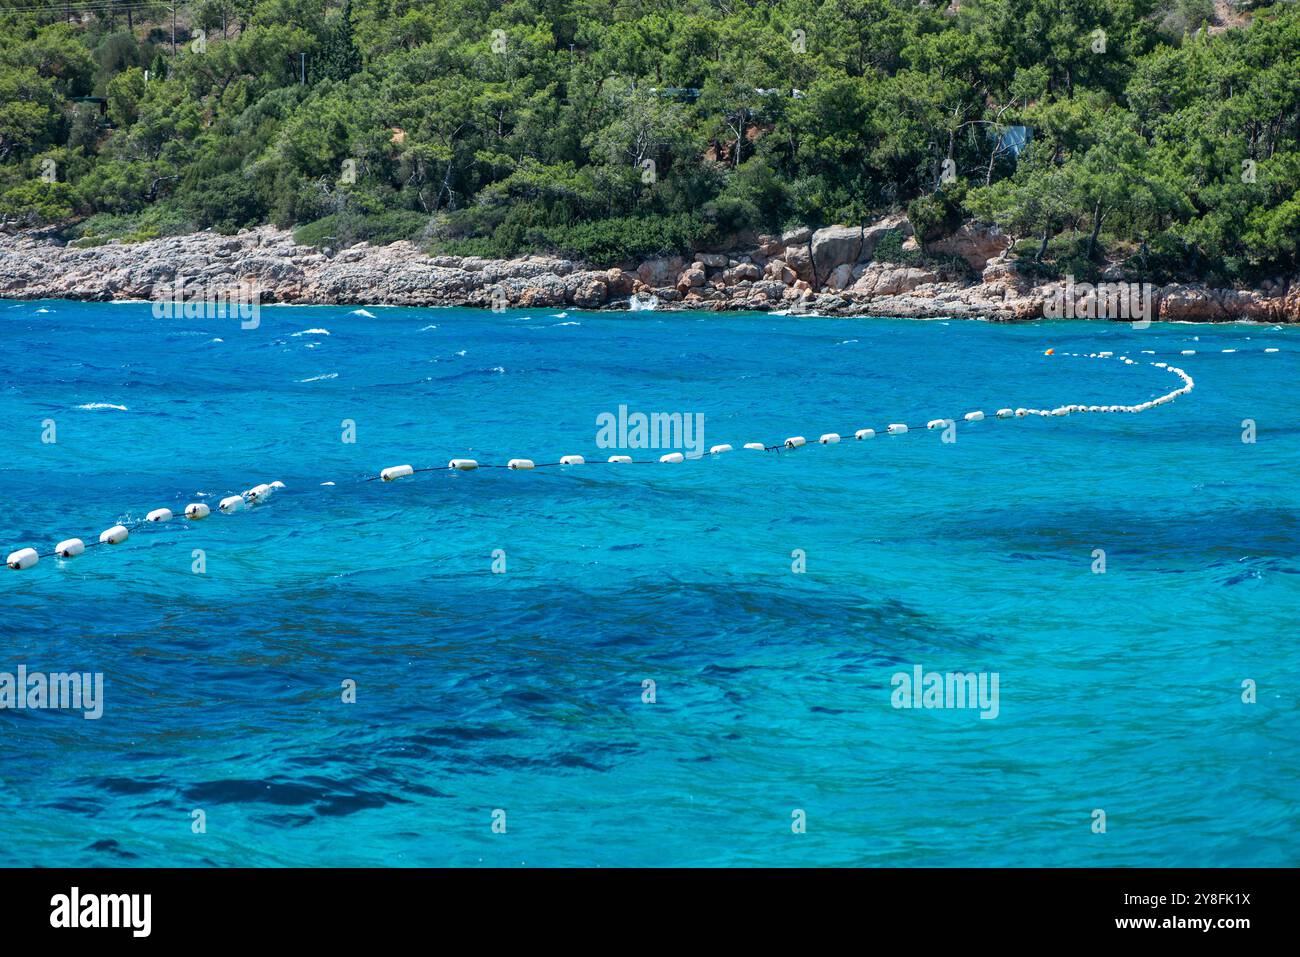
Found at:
(523, 691)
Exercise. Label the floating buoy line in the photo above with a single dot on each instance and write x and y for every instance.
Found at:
(25, 558)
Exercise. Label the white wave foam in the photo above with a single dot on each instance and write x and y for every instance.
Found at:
(91, 406)
(321, 378)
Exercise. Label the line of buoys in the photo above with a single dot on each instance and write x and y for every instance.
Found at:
(25, 558)
(899, 428)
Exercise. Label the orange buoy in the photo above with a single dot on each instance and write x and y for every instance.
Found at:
(1050, 352)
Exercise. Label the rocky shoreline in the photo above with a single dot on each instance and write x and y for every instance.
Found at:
(831, 271)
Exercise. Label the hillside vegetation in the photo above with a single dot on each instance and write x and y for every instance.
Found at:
(1148, 131)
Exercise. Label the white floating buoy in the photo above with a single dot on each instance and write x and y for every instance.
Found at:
(1104, 355)
(277, 485)
(795, 441)
(1189, 352)
(1005, 413)
(523, 464)
(719, 449)
(896, 429)
(830, 438)
(864, 434)
(232, 503)
(936, 423)
(621, 459)
(70, 548)
(159, 515)
(973, 416)
(394, 472)
(756, 446)
(572, 460)
(1020, 413)
(115, 535)
(197, 511)
(463, 465)
(672, 457)
(258, 492)
(22, 559)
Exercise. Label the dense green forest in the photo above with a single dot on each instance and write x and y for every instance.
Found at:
(1165, 132)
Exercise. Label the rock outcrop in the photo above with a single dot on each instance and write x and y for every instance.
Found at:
(827, 271)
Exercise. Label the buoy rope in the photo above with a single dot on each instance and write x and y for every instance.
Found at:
(25, 558)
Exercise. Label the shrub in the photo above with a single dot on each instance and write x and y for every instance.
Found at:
(610, 242)
(153, 223)
(339, 230)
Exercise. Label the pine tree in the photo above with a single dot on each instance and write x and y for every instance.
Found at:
(339, 57)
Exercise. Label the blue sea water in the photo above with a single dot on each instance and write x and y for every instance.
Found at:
(523, 691)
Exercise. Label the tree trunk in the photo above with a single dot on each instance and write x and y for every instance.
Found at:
(1096, 228)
